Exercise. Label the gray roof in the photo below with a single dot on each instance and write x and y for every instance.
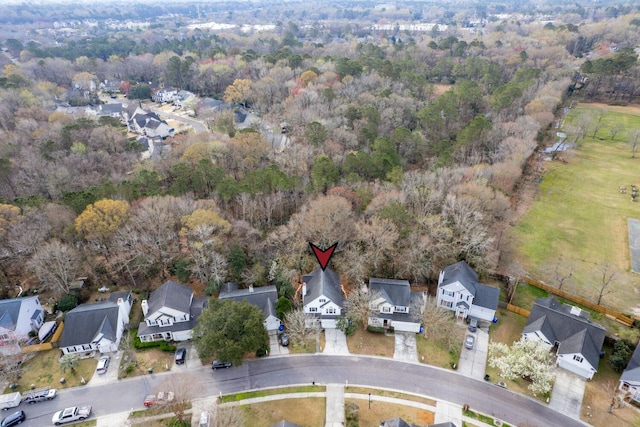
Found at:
(395, 422)
(197, 306)
(10, 310)
(323, 282)
(632, 371)
(483, 295)
(263, 297)
(172, 295)
(125, 295)
(86, 321)
(447, 424)
(395, 292)
(575, 332)
(108, 109)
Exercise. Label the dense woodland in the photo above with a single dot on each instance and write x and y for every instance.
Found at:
(407, 148)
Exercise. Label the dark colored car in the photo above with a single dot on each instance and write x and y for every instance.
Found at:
(284, 339)
(473, 324)
(218, 364)
(14, 419)
(181, 355)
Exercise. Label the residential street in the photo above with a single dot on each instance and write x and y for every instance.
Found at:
(433, 382)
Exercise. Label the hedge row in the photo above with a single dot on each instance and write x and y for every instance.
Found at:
(163, 345)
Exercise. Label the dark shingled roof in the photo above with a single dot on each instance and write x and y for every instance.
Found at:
(284, 423)
(172, 295)
(395, 292)
(395, 422)
(264, 298)
(483, 295)
(9, 311)
(323, 282)
(575, 332)
(197, 306)
(116, 295)
(86, 321)
(632, 371)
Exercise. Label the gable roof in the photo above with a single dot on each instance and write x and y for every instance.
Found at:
(394, 422)
(125, 295)
(263, 297)
(86, 321)
(632, 371)
(483, 295)
(108, 109)
(323, 282)
(10, 311)
(171, 295)
(395, 292)
(568, 326)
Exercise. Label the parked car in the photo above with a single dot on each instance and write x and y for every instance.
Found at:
(161, 398)
(284, 339)
(103, 364)
(181, 355)
(217, 364)
(39, 395)
(70, 415)
(473, 324)
(13, 419)
(469, 341)
(204, 419)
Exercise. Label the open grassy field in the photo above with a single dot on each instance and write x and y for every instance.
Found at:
(578, 221)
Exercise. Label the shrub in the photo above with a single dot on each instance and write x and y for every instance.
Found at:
(68, 302)
(163, 345)
(180, 268)
(352, 414)
(376, 329)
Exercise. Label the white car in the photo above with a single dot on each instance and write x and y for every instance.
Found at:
(103, 364)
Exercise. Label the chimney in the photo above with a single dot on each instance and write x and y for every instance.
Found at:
(304, 289)
(145, 307)
(250, 288)
(120, 301)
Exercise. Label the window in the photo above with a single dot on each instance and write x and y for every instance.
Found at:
(448, 304)
(313, 309)
(448, 293)
(577, 358)
(331, 310)
(386, 309)
(322, 300)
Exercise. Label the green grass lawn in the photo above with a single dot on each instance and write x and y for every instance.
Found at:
(579, 218)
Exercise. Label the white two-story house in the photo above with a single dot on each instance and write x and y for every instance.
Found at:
(18, 317)
(395, 305)
(322, 296)
(460, 291)
(170, 313)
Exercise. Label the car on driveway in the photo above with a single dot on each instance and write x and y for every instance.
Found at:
(103, 364)
(469, 341)
(284, 339)
(473, 324)
(217, 364)
(181, 355)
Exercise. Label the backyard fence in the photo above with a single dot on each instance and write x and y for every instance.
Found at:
(518, 310)
(614, 315)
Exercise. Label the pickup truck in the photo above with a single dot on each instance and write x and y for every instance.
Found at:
(39, 395)
(69, 415)
(10, 400)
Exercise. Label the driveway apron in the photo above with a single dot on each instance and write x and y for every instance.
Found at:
(567, 393)
(405, 347)
(473, 362)
(335, 342)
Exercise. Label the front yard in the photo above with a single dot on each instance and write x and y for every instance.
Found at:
(374, 344)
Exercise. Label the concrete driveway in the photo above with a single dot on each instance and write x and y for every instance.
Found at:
(192, 361)
(274, 345)
(335, 342)
(567, 393)
(108, 377)
(405, 348)
(473, 362)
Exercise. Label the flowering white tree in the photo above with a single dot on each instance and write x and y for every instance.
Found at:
(527, 359)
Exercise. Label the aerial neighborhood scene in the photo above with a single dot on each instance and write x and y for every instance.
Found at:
(333, 213)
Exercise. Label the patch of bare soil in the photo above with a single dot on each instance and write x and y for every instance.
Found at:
(624, 109)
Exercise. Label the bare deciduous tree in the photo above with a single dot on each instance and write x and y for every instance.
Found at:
(608, 273)
(228, 416)
(361, 303)
(56, 264)
(297, 322)
(438, 322)
(184, 388)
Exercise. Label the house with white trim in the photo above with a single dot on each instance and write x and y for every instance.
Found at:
(578, 341)
(170, 313)
(322, 296)
(460, 291)
(18, 317)
(96, 327)
(630, 378)
(263, 297)
(395, 305)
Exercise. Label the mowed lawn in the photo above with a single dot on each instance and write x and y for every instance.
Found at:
(579, 218)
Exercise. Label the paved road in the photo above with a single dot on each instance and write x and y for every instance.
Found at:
(323, 369)
(198, 126)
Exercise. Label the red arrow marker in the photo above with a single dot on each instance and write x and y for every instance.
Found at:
(323, 257)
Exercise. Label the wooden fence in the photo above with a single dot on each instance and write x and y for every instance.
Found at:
(37, 347)
(518, 310)
(614, 315)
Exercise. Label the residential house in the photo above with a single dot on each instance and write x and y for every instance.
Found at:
(114, 110)
(165, 94)
(399, 422)
(18, 317)
(170, 313)
(110, 86)
(322, 296)
(567, 328)
(630, 378)
(285, 423)
(460, 291)
(152, 147)
(395, 304)
(97, 327)
(263, 297)
(149, 124)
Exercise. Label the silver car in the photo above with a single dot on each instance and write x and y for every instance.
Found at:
(469, 341)
(103, 364)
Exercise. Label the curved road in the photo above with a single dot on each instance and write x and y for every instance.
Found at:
(198, 127)
(370, 371)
